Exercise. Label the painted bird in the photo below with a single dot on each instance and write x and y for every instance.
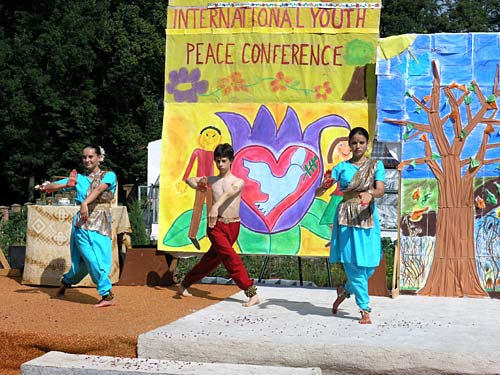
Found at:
(277, 188)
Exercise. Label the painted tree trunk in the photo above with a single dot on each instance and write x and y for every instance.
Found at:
(453, 271)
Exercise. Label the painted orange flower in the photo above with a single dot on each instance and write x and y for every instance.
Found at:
(322, 91)
(224, 84)
(480, 203)
(281, 82)
(232, 83)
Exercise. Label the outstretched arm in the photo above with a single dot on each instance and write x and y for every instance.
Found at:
(326, 184)
(50, 187)
(197, 183)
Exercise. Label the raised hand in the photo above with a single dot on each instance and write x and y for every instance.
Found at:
(327, 179)
(202, 184)
(72, 178)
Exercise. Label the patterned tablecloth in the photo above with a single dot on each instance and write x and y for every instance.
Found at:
(48, 243)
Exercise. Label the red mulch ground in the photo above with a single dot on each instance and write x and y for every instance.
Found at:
(33, 322)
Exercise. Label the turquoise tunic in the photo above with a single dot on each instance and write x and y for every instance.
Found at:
(91, 251)
(358, 246)
(359, 249)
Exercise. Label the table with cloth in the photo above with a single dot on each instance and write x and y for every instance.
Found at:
(48, 236)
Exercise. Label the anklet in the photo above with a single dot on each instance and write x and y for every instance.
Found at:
(250, 292)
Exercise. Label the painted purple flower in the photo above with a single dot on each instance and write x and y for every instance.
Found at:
(185, 85)
(281, 166)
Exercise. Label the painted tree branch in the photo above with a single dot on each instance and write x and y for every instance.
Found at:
(422, 127)
(421, 104)
(433, 165)
(455, 114)
(435, 121)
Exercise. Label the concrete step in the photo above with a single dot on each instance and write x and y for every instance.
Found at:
(58, 363)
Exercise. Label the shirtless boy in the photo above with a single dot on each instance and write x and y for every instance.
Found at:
(223, 227)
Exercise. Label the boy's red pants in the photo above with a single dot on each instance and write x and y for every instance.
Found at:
(222, 236)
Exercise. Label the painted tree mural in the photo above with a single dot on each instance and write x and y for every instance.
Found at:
(451, 119)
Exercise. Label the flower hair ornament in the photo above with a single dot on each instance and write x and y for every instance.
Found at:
(103, 153)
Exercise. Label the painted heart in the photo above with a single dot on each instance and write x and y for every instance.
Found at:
(273, 185)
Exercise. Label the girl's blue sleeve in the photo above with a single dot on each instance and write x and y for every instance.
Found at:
(110, 179)
(380, 172)
(337, 171)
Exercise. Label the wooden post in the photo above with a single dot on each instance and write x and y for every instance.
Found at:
(395, 269)
(3, 260)
(4, 213)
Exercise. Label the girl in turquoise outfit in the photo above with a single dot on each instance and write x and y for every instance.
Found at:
(91, 244)
(356, 232)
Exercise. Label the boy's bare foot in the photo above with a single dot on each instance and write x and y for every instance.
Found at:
(341, 296)
(254, 300)
(365, 317)
(181, 291)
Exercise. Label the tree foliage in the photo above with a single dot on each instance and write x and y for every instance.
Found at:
(92, 71)
(431, 16)
(78, 72)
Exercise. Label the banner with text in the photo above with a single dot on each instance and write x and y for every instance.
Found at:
(283, 82)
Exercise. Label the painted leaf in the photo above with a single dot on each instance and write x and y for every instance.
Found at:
(312, 218)
(474, 163)
(177, 235)
(463, 134)
(490, 197)
(410, 126)
(491, 98)
(435, 156)
(284, 243)
(497, 185)
(406, 136)
(413, 163)
(468, 100)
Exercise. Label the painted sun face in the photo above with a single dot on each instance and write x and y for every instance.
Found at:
(209, 139)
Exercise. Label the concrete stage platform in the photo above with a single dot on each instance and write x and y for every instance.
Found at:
(294, 327)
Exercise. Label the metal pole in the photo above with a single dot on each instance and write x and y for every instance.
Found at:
(263, 269)
(300, 271)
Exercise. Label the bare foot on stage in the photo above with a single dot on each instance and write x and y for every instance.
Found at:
(104, 303)
(252, 301)
(181, 291)
(365, 318)
(341, 296)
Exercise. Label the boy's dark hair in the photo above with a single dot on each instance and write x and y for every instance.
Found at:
(224, 150)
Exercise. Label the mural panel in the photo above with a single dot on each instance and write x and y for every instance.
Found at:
(283, 82)
(437, 94)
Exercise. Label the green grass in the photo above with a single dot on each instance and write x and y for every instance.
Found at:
(287, 267)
